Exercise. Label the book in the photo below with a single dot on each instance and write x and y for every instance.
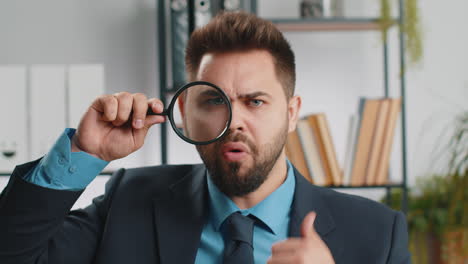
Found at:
(389, 132)
(295, 154)
(366, 129)
(353, 127)
(314, 123)
(329, 149)
(311, 152)
(377, 141)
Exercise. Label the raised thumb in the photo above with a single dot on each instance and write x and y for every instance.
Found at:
(307, 226)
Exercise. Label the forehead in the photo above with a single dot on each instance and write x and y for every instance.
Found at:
(240, 72)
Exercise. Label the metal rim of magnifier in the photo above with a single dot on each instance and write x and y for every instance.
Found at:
(171, 110)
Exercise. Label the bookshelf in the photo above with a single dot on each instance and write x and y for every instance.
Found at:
(327, 24)
(307, 26)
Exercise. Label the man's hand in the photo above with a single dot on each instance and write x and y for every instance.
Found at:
(116, 125)
(308, 249)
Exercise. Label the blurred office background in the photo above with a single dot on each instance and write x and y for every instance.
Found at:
(57, 55)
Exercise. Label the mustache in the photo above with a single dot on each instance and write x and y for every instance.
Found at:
(232, 136)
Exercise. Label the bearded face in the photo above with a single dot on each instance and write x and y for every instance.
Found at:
(262, 115)
(238, 178)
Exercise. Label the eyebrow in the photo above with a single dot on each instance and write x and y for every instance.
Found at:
(254, 94)
(210, 93)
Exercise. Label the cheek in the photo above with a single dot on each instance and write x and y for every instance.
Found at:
(266, 126)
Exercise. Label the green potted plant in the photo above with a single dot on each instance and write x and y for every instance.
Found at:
(455, 237)
(438, 207)
(427, 217)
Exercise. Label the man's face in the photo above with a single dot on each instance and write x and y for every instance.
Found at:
(241, 161)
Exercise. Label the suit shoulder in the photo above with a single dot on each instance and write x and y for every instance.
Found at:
(161, 176)
(348, 205)
(373, 232)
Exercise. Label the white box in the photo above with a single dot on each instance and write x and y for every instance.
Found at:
(13, 117)
(48, 107)
(85, 83)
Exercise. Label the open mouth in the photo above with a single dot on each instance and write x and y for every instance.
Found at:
(234, 151)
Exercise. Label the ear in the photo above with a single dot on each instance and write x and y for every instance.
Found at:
(294, 106)
(181, 103)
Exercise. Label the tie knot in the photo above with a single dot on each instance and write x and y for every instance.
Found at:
(240, 228)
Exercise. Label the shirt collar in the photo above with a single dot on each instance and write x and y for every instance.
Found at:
(272, 211)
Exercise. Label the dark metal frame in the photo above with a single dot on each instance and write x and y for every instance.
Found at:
(161, 39)
(404, 205)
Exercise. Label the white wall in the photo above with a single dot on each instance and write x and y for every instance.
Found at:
(121, 35)
(438, 89)
(333, 69)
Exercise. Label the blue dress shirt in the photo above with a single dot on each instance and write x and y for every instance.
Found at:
(65, 170)
(274, 213)
(62, 169)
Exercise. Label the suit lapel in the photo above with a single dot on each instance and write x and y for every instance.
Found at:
(179, 216)
(307, 198)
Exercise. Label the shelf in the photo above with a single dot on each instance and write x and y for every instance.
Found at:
(391, 185)
(328, 24)
(103, 173)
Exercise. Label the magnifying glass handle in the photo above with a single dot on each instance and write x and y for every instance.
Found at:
(150, 112)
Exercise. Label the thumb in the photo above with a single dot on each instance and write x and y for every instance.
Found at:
(307, 226)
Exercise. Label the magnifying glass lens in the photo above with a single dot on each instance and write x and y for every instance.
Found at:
(202, 112)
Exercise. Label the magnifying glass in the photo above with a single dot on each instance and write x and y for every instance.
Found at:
(203, 114)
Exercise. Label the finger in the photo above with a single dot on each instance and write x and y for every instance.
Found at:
(140, 106)
(107, 106)
(288, 246)
(139, 136)
(156, 106)
(285, 259)
(307, 226)
(125, 101)
(154, 119)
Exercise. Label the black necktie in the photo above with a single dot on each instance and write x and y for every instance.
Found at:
(239, 247)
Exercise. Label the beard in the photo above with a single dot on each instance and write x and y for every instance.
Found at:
(228, 177)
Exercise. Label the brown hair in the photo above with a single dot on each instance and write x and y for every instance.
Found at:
(240, 31)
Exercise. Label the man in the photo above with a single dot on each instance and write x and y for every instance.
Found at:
(245, 204)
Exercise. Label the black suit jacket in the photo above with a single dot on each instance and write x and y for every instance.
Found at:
(156, 215)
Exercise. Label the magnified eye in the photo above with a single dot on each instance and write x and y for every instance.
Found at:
(203, 112)
(216, 101)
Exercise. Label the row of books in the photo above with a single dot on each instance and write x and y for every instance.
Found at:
(370, 138)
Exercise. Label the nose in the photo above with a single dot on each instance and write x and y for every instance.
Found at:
(238, 119)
